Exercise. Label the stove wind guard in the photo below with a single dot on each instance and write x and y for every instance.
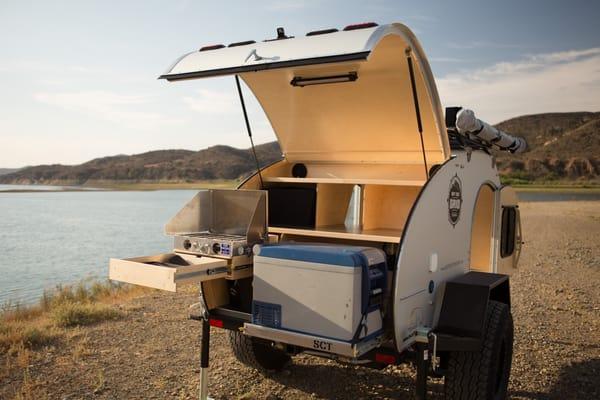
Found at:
(221, 223)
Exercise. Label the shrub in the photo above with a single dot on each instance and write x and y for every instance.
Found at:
(31, 337)
(516, 178)
(70, 314)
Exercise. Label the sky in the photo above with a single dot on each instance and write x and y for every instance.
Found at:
(78, 78)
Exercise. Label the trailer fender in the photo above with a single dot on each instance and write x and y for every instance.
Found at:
(462, 305)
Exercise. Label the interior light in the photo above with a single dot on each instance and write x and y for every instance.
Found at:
(322, 80)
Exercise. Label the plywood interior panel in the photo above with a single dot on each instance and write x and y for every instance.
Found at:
(340, 232)
(316, 239)
(216, 293)
(387, 207)
(332, 203)
(359, 172)
(161, 272)
(336, 122)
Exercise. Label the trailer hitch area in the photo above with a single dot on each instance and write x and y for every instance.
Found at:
(435, 362)
(426, 336)
(197, 312)
(426, 359)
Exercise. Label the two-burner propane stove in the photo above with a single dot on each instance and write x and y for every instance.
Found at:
(212, 244)
(222, 224)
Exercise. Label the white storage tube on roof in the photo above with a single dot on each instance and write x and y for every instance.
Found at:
(468, 125)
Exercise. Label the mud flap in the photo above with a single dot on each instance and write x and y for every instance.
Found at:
(463, 307)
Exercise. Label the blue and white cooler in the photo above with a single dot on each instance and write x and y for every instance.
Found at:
(330, 291)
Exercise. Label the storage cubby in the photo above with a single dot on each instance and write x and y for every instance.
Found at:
(292, 206)
(332, 204)
(385, 209)
(378, 174)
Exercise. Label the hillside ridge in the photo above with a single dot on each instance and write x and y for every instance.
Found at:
(563, 147)
(169, 166)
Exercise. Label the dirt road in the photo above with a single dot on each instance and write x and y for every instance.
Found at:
(153, 352)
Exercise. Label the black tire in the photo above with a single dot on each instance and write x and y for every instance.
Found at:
(483, 375)
(257, 354)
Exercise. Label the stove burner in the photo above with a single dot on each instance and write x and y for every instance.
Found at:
(212, 244)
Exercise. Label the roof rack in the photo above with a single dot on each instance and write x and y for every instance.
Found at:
(244, 43)
(212, 47)
(322, 32)
(362, 25)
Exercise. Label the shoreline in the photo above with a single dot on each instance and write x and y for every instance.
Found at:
(225, 184)
(122, 187)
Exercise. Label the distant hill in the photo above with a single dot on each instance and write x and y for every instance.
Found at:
(4, 171)
(217, 162)
(563, 147)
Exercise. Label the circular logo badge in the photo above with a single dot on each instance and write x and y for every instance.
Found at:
(454, 200)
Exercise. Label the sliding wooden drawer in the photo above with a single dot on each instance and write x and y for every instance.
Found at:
(167, 271)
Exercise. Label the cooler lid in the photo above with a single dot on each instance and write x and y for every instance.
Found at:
(346, 256)
(338, 97)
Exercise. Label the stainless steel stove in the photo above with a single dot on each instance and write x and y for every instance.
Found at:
(221, 223)
(212, 244)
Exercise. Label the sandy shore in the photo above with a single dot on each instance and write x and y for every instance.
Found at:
(153, 352)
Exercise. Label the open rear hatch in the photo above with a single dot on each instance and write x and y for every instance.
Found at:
(341, 97)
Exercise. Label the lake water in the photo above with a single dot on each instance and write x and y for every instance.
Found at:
(559, 195)
(42, 188)
(63, 237)
(51, 238)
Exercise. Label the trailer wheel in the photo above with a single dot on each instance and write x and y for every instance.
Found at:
(256, 354)
(484, 374)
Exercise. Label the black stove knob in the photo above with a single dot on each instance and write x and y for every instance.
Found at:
(216, 248)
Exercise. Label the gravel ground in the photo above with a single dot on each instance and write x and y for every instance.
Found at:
(153, 352)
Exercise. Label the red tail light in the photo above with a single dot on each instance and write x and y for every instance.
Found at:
(385, 358)
(217, 323)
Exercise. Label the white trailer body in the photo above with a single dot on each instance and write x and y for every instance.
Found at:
(367, 149)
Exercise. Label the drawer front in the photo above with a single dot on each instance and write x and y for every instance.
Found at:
(166, 271)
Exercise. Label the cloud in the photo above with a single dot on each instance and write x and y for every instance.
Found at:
(550, 82)
(565, 56)
(448, 60)
(106, 105)
(212, 102)
(479, 44)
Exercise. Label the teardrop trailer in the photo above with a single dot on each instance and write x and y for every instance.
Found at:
(383, 236)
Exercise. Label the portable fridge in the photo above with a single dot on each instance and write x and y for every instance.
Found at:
(330, 291)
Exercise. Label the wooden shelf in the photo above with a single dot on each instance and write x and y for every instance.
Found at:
(340, 232)
(346, 181)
